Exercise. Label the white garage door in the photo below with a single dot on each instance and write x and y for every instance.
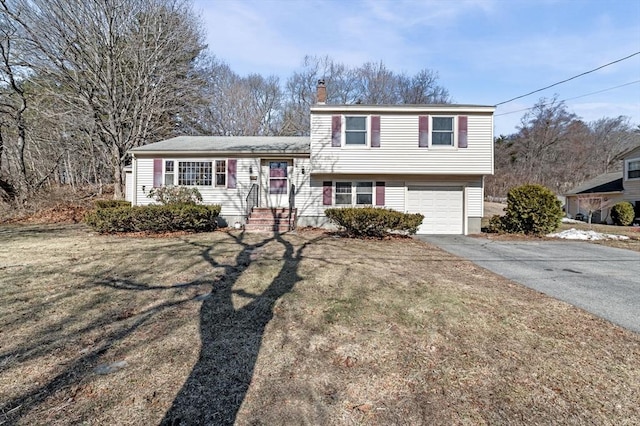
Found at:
(442, 207)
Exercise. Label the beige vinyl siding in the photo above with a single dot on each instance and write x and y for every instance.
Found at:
(394, 195)
(233, 201)
(307, 196)
(475, 197)
(631, 186)
(632, 190)
(399, 151)
(144, 170)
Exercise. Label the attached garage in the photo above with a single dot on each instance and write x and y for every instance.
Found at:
(442, 207)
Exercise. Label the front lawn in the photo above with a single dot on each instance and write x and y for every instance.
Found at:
(301, 328)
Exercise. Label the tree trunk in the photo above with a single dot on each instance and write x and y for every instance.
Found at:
(118, 184)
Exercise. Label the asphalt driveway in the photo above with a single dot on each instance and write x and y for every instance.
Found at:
(602, 280)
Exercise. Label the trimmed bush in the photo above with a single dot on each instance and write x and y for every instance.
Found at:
(110, 204)
(622, 213)
(373, 222)
(531, 209)
(175, 195)
(154, 218)
(495, 224)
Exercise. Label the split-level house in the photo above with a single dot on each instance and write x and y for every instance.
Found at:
(605, 190)
(429, 159)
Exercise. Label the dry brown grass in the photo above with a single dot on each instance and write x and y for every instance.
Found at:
(298, 329)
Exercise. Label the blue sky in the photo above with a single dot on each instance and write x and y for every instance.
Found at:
(485, 51)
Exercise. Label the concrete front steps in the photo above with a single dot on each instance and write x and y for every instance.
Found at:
(271, 220)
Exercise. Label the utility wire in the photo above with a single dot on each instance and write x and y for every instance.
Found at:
(570, 99)
(569, 79)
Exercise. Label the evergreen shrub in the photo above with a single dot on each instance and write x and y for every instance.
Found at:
(622, 213)
(531, 209)
(373, 222)
(154, 218)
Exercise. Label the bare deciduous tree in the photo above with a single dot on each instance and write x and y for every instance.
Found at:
(13, 103)
(129, 63)
(371, 83)
(553, 147)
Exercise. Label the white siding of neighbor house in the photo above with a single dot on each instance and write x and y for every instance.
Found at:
(399, 152)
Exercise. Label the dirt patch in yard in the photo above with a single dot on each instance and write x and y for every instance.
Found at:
(304, 328)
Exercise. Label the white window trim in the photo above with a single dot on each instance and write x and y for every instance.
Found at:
(165, 172)
(367, 143)
(455, 132)
(353, 193)
(626, 168)
(176, 172)
(214, 181)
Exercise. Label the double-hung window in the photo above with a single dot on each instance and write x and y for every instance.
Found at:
(633, 169)
(355, 132)
(168, 173)
(221, 173)
(343, 193)
(442, 133)
(364, 193)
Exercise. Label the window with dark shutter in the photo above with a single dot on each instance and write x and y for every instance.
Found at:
(375, 131)
(380, 193)
(327, 195)
(232, 165)
(423, 131)
(462, 131)
(157, 172)
(336, 130)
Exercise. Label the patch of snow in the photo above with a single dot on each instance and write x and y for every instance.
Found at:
(575, 234)
(567, 220)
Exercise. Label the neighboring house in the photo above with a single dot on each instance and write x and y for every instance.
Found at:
(603, 191)
(428, 159)
(608, 189)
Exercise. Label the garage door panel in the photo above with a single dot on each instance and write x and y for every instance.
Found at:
(442, 208)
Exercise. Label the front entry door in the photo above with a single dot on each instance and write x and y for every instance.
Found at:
(275, 182)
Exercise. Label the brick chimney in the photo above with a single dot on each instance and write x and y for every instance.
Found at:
(321, 96)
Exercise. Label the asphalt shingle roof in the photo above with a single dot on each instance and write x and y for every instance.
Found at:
(607, 182)
(236, 144)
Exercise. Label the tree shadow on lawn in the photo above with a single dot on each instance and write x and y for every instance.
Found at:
(231, 339)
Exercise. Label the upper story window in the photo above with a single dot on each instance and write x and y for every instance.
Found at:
(355, 132)
(633, 169)
(442, 133)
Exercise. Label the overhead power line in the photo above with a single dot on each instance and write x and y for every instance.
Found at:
(569, 79)
(570, 99)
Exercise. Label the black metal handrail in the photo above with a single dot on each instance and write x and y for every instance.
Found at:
(292, 204)
(252, 199)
